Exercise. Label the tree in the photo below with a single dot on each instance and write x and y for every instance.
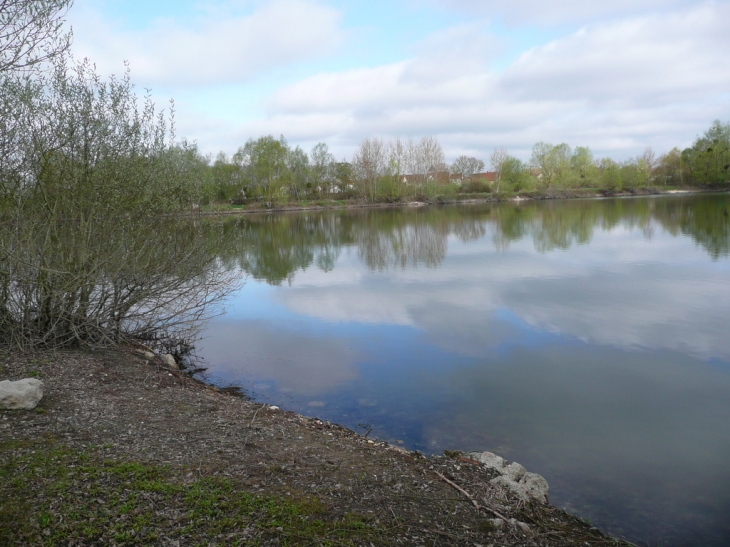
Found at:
(370, 164)
(466, 167)
(322, 168)
(263, 163)
(91, 251)
(497, 159)
(514, 174)
(297, 163)
(583, 164)
(552, 161)
(31, 32)
(670, 166)
(646, 164)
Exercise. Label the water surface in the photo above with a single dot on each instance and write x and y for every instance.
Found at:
(587, 340)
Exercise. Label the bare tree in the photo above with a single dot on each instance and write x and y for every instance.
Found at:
(466, 167)
(370, 164)
(31, 32)
(497, 160)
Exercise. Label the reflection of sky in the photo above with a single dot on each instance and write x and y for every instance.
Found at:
(605, 366)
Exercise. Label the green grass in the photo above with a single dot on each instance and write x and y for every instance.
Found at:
(51, 495)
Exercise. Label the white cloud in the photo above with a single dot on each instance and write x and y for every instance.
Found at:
(582, 295)
(214, 50)
(617, 86)
(642, 61)
(552, 12)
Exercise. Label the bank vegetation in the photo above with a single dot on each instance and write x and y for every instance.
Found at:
(268, 172)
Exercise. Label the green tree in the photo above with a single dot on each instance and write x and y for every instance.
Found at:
(263, 163)
(552, 161)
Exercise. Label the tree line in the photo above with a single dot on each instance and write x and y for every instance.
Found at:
(269, 170)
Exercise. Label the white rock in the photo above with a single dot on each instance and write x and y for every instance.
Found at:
(512, 486)
(20, 395)
(169, 360)
(515, 471)
(489, 459)
(535, 486)
(497, 523)
(521, 525)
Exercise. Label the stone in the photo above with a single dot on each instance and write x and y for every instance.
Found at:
(20, 395)
(144, 353)
(514, 477)
(169, 360)
(515, 471)
(489, 459)
(535, 486)
(512, 486)
(521, 525)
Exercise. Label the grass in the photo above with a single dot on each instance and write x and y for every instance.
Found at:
(51, 494)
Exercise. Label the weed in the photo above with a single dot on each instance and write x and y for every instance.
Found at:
(51, 494)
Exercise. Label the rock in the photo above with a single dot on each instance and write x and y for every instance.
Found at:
(144, 353)
(512, 486)
(497, 523)
(20, 395)
(535, 486)
(521, 525)
(514, 477)
(489, 459)
(169, 360)
(515, 471)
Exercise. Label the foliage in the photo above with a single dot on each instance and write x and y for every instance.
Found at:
(31, 33)
(89, 177)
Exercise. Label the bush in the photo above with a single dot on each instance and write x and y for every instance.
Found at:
(89, 253)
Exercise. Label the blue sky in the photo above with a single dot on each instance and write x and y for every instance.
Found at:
(617, 76)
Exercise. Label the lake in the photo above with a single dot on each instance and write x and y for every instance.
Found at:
(586, 339)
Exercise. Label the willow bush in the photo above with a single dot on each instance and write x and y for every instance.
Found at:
(93, 250)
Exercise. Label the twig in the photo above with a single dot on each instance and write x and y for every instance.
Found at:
(473, 501)
(250, 426)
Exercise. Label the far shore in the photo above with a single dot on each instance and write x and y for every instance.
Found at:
(357, 203)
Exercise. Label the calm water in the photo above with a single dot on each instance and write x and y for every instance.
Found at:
(587, 340)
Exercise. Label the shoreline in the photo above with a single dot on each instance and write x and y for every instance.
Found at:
(117, 408)
(551, 195)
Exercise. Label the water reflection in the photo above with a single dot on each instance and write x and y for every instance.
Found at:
(584, 339)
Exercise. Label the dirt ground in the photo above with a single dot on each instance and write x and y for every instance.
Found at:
(132, 409)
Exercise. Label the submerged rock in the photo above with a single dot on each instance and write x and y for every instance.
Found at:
(514, 477)
(20, 395)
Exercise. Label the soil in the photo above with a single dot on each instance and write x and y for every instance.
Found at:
(127, 408)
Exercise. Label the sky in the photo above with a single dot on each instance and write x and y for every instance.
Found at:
(615, 76)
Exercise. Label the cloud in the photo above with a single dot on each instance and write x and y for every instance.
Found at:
(297, 363)
(556, 12)
(616, 86)
(213, 50)
(583, 296)
(641, 61)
